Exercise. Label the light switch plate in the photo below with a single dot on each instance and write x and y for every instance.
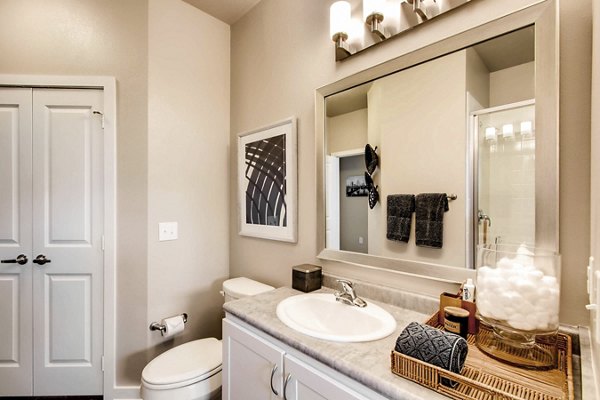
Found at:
(167, 231)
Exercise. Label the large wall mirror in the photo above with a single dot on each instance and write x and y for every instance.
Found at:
(473, 117)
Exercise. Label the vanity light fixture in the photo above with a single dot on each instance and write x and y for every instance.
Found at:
(417, 8)
(490, 133)
(526, 128)
(339, 26)
(373, 16)
(507, 131)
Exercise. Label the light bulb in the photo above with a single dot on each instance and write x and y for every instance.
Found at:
(339, 18)
(507, 131)
(490, 133)
(526, 128)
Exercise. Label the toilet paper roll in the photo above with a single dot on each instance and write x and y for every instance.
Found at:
(173, 325)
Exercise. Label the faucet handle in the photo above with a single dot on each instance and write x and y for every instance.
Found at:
(347, 286)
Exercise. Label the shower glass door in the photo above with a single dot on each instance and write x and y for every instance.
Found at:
(504, 206)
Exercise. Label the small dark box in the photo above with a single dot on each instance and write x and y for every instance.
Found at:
(306, 277)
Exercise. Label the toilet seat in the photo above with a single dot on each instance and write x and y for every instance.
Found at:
(184, 365)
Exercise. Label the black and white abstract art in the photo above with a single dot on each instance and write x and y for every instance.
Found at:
(267, 182)
(266, 187)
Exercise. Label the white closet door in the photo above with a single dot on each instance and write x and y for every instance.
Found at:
(15, 239)
(67, 230)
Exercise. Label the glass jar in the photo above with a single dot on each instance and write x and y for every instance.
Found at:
(518, 297)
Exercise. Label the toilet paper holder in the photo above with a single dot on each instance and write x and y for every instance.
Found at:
(155, 326)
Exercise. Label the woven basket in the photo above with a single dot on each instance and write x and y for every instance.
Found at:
(484, 378)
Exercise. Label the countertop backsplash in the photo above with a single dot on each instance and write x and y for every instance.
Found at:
(412, 301)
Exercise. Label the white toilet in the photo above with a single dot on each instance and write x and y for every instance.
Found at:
(192, 371)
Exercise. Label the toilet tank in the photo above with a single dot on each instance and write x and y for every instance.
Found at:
(242, 287)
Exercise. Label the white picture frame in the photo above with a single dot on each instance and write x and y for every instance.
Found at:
(268, 182)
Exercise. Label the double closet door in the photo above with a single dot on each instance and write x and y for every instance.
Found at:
(51, 233)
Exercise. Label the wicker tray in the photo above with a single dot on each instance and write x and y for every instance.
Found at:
(484, 378)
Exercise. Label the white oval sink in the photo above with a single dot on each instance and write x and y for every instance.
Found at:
(320, 315)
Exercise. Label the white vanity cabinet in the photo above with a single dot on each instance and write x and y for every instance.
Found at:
(257, 366)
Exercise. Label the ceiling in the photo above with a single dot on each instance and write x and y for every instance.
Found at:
(228, 11)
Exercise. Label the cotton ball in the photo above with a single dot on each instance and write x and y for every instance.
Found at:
(535, 275)
(526, 287)
(522, 250)
(549, 281)
(483, 306)
(504, 263)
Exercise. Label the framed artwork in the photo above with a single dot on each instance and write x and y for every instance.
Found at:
(267, 182)
(356, 186)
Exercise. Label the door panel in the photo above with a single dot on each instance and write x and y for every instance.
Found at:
(252, 367)
(67, 210)
(68, 174)
(307, 383)
(15, 238)
(9, 315)
(69, 322)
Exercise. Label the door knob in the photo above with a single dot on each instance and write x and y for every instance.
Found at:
(21, 260)
(41, 260)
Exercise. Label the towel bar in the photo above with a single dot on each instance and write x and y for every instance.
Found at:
(452, 196)
(155, 326)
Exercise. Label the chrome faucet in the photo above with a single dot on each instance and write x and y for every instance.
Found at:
(347, 294)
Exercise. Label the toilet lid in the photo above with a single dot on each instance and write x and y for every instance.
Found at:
(242, 287)
(189, 361)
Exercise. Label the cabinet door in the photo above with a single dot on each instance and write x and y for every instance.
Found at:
(252, 367)
(304, 382)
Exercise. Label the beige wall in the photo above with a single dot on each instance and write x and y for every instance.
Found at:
(108, 37)
(275, 75)
(512, 84)
(188, 139)
(347, 131)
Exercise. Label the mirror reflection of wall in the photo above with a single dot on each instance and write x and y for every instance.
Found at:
(419, 119)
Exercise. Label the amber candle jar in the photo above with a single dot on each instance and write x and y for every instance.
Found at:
(456, 320)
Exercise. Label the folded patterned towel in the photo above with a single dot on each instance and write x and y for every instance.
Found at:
(430, 345)
(400, 208)
(429, 219)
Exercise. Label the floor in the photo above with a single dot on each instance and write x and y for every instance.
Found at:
(55, 398)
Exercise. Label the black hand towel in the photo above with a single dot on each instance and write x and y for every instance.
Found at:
(399, 216)
(429, 219)
(430, 345)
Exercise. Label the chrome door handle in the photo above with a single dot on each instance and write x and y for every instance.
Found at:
(287, 380)
(41, 260)
(21, 260)
(273, 374)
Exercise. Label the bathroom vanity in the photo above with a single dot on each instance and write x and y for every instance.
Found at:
(262, 356)
(265, 359)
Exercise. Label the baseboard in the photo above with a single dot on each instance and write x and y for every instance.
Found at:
(123, 393)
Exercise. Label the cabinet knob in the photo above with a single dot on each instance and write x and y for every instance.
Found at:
(273, 374)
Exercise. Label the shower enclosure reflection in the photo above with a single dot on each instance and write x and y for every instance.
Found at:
(505, 184)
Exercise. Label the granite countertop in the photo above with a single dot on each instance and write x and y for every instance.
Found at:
(368, 362)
